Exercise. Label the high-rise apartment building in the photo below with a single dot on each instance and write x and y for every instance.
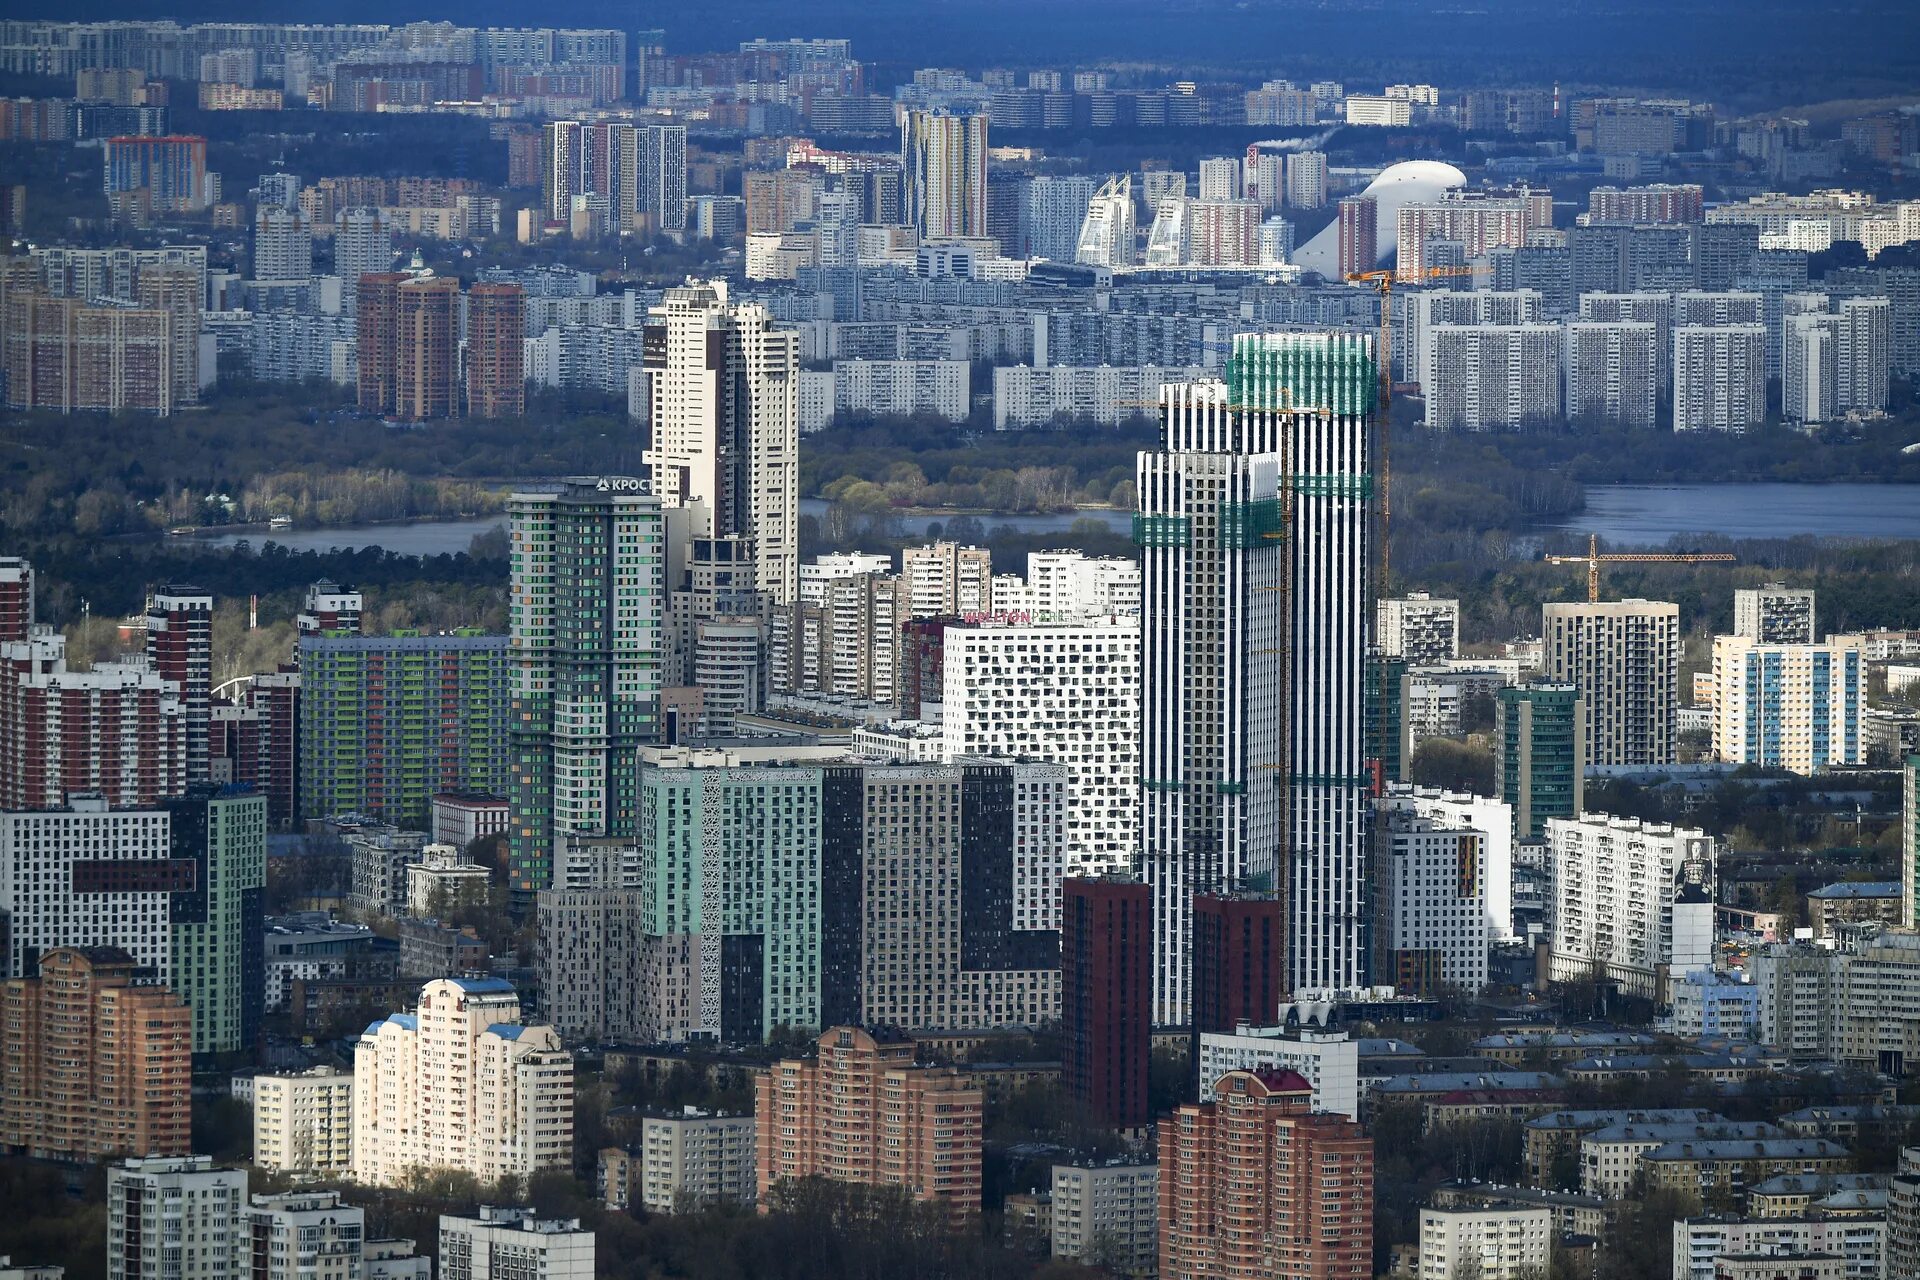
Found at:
(16, 599)
(506, 1243)
(943, 158)
(1219, 178)
(388, 722)
(945, 578)
(461, 1083)
(219, 945)
(1434, 917)
(1613, 373)
(1052, 214)
(723, 414)
(1106, 997)
(1359, 243)
(1836, 363)
(177, 290)
(1540, 754)
(282, 246)
(1909, 841)
(912, 896)
(1255, 1183)
(587, 617)
(180, 650)
(118, 729)
(377, 327)
(1307, 179)
(1644, 307)
(860, 1111)
(160, 1203)
(1787, 706)
(1629, 899)
(1479, 222)
(1224, 640)
(691, 1159)
(1239, 965)
(362, 245)
(426, 349)
(1420, 628)
(1660, 202)
(1067, 693)
(562, 151)
(496, 341)
(1774, 614)
(161, 174)
(303, 1122)
(1719, 376)
(96, 1062)
(1484, 377)
(1624, 657)
(86, 875)
(63, 356)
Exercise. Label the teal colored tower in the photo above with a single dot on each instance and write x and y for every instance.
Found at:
(735, 858)
(1540, 754)
(219, 928)
(1389, 732)
(587, 614)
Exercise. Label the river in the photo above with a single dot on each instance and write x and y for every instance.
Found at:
(1651, 515)
(421, 538)
(1624, 515)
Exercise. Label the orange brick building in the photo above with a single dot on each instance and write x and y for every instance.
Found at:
(496, 332)
(1256, 1184)
(860, 1111)
(93, 1066)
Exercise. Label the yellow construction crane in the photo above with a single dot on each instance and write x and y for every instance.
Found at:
(1382, 282)
(1594, 559)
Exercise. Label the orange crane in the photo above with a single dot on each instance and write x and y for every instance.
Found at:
(1594, 559)
(1382, 283)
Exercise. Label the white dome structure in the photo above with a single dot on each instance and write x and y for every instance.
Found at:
(1409, 182)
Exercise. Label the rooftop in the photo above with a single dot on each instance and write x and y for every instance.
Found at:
(1858, 889)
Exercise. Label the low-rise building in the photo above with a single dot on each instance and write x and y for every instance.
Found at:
(1494, 1242)
(1729, 1166)
(1328, 1060)
(1853, 902)
(1107, 1214)
(1707, 1002)
(303, 1122)
(1698, 1243)
(1610, 1158)
(512, 1244)
(443, 880)
(1551, 1143)
(927, 1120)
(301, 1235)
(692, 1160)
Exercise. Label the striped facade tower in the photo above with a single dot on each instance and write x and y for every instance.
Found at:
(1254, 525)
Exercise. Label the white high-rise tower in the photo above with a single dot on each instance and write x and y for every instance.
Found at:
(724, 411)
(1254, 529)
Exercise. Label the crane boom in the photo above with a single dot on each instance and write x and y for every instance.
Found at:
(1594, 559)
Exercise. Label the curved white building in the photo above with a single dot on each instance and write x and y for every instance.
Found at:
(1409, 182)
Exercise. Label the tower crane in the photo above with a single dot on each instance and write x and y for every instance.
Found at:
(1382, 282)
(1595, 558)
